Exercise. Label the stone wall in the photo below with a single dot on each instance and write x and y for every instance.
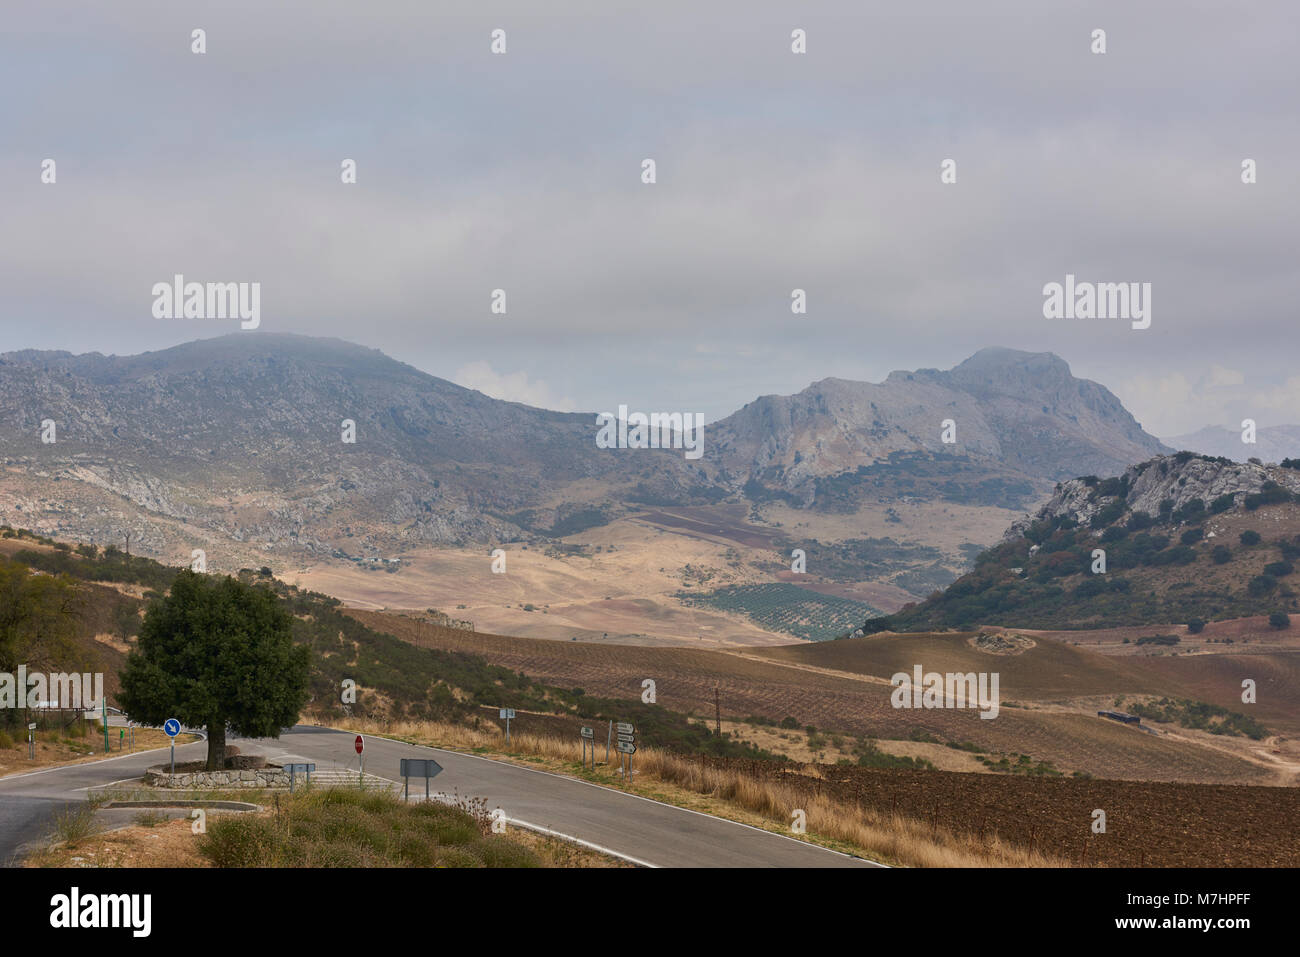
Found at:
(269, 777)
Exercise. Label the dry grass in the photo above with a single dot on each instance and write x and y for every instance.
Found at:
(58, 747)
(891, 838)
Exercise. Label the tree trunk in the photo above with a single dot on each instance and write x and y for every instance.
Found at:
(217, 745)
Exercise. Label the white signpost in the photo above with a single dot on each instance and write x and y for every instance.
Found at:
(506, 715)
(626, 746)
(588, 735)
(171, 728)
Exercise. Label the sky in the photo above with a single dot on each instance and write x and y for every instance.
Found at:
(775, 171)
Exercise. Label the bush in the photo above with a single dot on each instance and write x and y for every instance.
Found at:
(1279, 569)
(1222, 503)
(1261, 585)
(789, 723)
(1196, 626)
(1221, 554)
(1249, 538)
(1138, 521)
(1279, 619)
(1192, 536)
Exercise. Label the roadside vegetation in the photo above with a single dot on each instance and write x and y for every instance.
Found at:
(353, 828)
(728, 788)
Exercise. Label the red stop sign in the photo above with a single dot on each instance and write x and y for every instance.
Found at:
(360, 744)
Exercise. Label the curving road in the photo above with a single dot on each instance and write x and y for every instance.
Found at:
(638, 829)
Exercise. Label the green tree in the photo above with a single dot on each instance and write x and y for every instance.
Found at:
(218, 654)
(38, 616)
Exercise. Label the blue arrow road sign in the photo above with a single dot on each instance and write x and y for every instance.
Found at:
(171, 727)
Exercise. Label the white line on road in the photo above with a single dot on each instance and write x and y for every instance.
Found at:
(577, 840)
(602, 787)
(85, 764)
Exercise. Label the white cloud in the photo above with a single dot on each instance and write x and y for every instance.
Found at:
(512, 387)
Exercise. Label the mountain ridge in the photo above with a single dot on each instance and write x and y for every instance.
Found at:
(238, 438)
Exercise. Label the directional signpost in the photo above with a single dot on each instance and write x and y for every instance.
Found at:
(506, 715)
(419, 768)
(31, 741)
(171, 728)
(626, 746)
(293, 769)
(586, 734)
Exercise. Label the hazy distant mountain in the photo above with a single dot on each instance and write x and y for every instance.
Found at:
(1272, 444)
(1019, 416)
(238, 439)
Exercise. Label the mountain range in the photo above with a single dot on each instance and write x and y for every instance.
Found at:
(239, 440)
(1272, 443)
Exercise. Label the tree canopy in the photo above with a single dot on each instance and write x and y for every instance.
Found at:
(219, 654)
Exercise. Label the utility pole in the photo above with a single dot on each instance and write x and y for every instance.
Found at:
(717, 711)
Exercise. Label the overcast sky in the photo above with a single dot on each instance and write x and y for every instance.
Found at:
(775, 171)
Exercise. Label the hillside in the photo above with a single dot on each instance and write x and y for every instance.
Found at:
(1184, 537)
(234, 444)
(104, 593)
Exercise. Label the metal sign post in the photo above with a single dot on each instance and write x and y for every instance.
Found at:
(106, 724)
(31, 741)
(507, 714)
(360, 745)
(626, 746)
(609, 736)
(588, 735)
(293, 769)
(171, 728)
(418, 767)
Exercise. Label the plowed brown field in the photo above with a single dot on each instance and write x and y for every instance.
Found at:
(858, 704)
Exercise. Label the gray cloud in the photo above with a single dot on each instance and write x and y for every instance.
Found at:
(775, 172)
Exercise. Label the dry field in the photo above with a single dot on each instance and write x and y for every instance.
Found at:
(934, 818)
(1147, 824)
(1067, 734)
(627, 589)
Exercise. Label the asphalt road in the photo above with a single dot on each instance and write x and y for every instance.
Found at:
(29, 801)
(641, 830)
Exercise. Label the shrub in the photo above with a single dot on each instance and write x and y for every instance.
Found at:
(1249, 537)
(1221, 554)
(1279, 569)
(1222, 503)
(1192, 536)
(1261, 585)
(1138, 521)
(1196, 625)
(1279, 619)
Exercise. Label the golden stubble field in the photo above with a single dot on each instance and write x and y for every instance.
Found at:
(626, 590)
